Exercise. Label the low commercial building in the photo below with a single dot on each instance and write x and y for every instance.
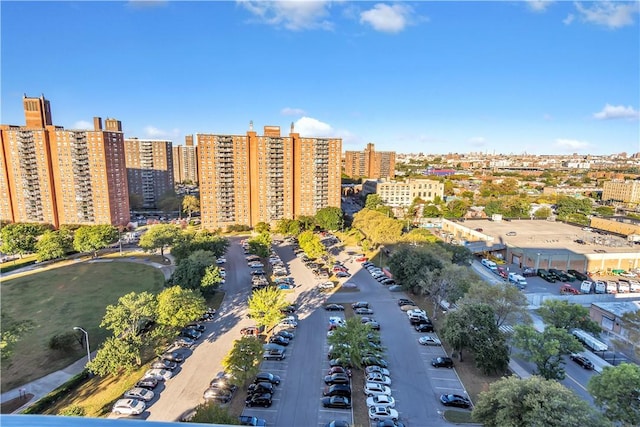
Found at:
(608, 315)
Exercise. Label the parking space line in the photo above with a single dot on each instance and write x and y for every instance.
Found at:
(445, 379)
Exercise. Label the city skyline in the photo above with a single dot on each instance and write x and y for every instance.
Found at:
(434, 77)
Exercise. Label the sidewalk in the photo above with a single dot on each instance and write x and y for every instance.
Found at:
(45, 385)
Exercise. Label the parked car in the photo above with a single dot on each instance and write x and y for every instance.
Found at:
(128, 407)
(274, 354)
(424, 327)
(373, 389)
(286, 334)
(376, 377)
(345, 363)
(147, 382)
(381, 400)
(190, 333)
(455, 400)
(336, 379)
(184, 342)
(561, 275)
(363, 311)
(368, 361)
(442, 362)
(567, 289)
(376, 369)
(546, 275)
(288, 322)
(338, 423)
(261, 387)
(164, 364)
(334, 307)
(139, 393)
(339, 402)
(173, 356)
(267, 377)
(378, 413)
(389, 423)
(395, 288)
(337, 390)
(263, 399)
(277, 339)
(373, 325)
(360, 304)
(362, 258)
(326, 285)
(251, 331)
(578, 275)
(220, 395)
(582, 361)
(197, 326)
(159, 374)
(429, 340)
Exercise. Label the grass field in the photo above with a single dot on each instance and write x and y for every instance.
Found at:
(58, 299)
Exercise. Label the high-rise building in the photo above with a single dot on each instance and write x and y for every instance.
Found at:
(149, 170)
(247, 179)
(622, 191)
(370, 163)
(185, 161)
(56, 176)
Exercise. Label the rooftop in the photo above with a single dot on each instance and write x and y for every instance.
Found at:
(618, 308)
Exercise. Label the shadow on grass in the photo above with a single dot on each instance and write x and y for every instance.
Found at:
(458, 417)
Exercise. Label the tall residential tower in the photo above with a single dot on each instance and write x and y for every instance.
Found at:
(370, 163)
(149, 170)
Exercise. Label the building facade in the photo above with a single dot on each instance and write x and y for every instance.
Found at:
(403, 193)
(247, 179)
(149, 170)
(185, 161)
(56, 176)
(370, 163)
(622, 191)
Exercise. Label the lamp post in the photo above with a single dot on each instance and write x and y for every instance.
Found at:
(86, 336)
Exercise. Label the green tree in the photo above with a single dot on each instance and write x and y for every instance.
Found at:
(11, 331)
(543, 212)
(570, 206)
(169, 202)
(211, 280)
(54, 245)
(431, 211)
(565, 315)
(493, 207)
(330, 218)
(190, 271)
(512, 402)
(605, 211)
(177, 306)
(459, 254)
(265, 306)
(546, 348)
(288, 227)
(124, 318)
(92, 238)
(116, 356)
(20, 238)
(508, 303)
(410, 266)
(212, 413)
(419, 235)
(448, 187)
(351, 341)
(160, 236)
(73, 411)
(260, 245)
(450, 283)
(243, 361)
(306, 222)
(190, 204)
(202, 240)
(456, 208)
(373, 201)
(262, 227)
(617, 392)
(311, 245)
(469, 325)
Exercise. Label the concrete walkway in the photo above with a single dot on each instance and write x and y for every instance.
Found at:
(42, 386)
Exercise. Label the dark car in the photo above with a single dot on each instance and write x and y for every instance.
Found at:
(582, 361)
(442, 362)
(147, 382)
(546, 275)
(220, 395)
(190, 333)
(389, 423)
(404, 301)
(345, 363)
(455, 400)
(364, 311)
(337, 390)
(338, 423)
(286, 334)
(173, 356)
(267, 377)
(336, 379)
(419, 320)
(197, 326)
(424, 327)
(223, 383)
(360, 304)
(290, 309)
(185, 342)
(259, 399)
(561, 275)
(373, 325)
(280, 340)
(261, 387)
(334, 307)
(578, 275)
(370, 361)
(342, 274)
(340, 402)
(164, 364)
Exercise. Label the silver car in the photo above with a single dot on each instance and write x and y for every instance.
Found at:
(128, 407)
(139, 393)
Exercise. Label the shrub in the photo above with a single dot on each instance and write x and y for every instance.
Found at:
(73, 411)
(63, 342)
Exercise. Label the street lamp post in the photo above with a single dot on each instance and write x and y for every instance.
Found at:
(86, 336)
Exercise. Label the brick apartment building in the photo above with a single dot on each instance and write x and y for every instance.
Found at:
(247, 179)
(149, 169)
(56, 176)
(185, 161)
(370, 163)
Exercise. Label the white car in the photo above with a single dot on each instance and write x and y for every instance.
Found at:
(128, 407)
(326, 285)
(374, 389)
(381, 413)
(381, 400)
(376, 377)
(429, 340)
(288, 322)
(416, 312)
(139, 393)
(374, 368)
(159, 374)
(220, 261)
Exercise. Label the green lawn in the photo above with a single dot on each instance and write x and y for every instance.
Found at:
(56, 300)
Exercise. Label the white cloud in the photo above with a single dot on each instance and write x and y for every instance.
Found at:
(617, 112)
(478, 141)
(388, 19)
(287, 111)
(539, 5)
(308, 126)
(609, 14)
(569, 19)
(83, 124)
(154, 132)
(571, 144)
(292, 15)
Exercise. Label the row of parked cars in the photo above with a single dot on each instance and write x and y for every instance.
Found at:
(377, 273)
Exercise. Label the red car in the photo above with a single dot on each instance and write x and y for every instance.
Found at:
(566, 289)
(362, 258)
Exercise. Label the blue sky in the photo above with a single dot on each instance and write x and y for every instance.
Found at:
(434, 77)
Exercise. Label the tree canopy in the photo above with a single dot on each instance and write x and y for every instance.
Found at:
(92, 238)
(177, 306)
(116, 356)
(351, 341)
(190, 271)
(617, 392)
(378, 227)
(329, 218)
(243, 361)
(160, 236)
(513, 402)
(204, 240)
(20, 238)
(265, 306)
(311, 245)
(507, 302)
(565, 315)
(54, 244)
(190, 204)
(124, 318)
